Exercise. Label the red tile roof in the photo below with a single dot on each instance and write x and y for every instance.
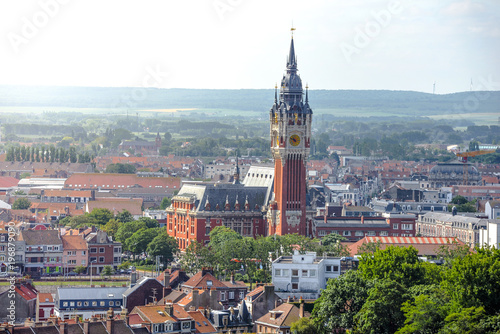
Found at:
(117, 205)
(73, 242)
(424, 245)
(27, 291)
(200, 282)
(202, 324)
(8, 182)
(45, 298)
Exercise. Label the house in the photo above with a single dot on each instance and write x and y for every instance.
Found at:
(232, 320)
(280, 319)
(305, 275)
(490, 235)
(75, 251)
(43, 251)
(87, 302)
(492, 209)
(7, 183)
(145, 291)
(228, 293)
(106, 324)
(24, 301)
(172, 318)
(103, 251)
(260, 300)
(172, 278)
(426, 246)
(44, 306)
(357, 211)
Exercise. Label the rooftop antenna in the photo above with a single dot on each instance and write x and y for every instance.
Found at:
(434, 88)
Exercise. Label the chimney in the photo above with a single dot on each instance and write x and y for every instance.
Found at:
(166, 280)
(169, 307)
(195, 298)
(133, 279)
(232, 277)
(110, 321)
(62, 327)
(86, 326)
(362, 219)
(301, 308)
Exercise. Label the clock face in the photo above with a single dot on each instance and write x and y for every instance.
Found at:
(294, 140)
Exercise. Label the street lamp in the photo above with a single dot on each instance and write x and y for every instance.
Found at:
(91, 271)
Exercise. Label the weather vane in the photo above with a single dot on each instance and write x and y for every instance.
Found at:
(292, 29)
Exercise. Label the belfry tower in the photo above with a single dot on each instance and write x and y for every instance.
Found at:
(290, 118)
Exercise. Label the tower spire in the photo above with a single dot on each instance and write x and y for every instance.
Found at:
(307, 95)
(292, 60)
(275, 93)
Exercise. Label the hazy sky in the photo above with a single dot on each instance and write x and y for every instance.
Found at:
(349, 44)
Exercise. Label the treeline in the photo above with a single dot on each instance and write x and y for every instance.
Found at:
(395, 292)
(42, 153)
(41, 129)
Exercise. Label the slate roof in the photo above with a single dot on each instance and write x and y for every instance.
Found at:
(41, 237)
(64, 293)
(138, 284)
(286, 314)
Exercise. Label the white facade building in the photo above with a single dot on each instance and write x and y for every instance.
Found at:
(491, 234)
(305, 275)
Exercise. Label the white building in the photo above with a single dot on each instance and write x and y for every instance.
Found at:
(305, 275)
(491, 234)
(492, 209)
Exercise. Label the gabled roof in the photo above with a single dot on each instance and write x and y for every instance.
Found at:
(255, 293)
(40, 237)
(140, 283)
(117, 205)
(45, 298)
(285, 315)
(189, 298)
(8, 182)
(235, 284)
(202, 324)
(90, 293)
(26, 290)
(74, 242)
(156, 313)
(200, 281)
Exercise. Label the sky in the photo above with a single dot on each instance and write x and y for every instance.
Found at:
(235, 44)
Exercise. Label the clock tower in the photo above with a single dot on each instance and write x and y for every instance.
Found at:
(290, 118)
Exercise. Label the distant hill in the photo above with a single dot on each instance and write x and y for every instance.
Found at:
(399, 102)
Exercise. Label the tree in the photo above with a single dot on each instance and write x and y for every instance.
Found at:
(452, 251)
(112, 227)
(21, 204)
(120, 168)
(369, 247)
(126, 230)
(124, 216)
(195, 257)
(163, 245)
(459, 200)
(223, 241)
(342, 299)
(473, 281)
(107, 271)
(381, 313)
(101, 215)
(332, 238)
(80, 269)
(140, 240)
(400, 264)
(150, 222)
(165, 203)
(304, 326)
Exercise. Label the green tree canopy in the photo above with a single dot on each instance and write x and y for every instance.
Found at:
(124, 216)
(121, 168)
(342, 299)
(139, 241)
(165, 203)
(150, 222)
(101, 216)
(21, 204)
(126, 230)
(163, 245)
(112, 227)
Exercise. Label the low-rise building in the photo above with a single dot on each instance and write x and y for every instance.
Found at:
(24, 302)
(43, 251)
(75, 252)
(492, 209)
(103, 251)
(280, 319)
(87, 302)
(305, 275)
(465, 228)
(44, 306)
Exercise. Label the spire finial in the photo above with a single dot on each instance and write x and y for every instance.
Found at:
(307, 95)
(275, 92)
(292, 29)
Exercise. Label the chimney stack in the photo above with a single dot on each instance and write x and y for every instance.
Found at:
(133, 279)
(62, 327)
(301, 308)
(169, 307)
(110, 321)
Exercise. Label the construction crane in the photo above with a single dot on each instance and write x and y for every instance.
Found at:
(464, 157)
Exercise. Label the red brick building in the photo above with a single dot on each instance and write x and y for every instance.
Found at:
(356, 228)
(102, 251)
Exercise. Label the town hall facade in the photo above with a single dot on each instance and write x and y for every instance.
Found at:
(269, 200)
